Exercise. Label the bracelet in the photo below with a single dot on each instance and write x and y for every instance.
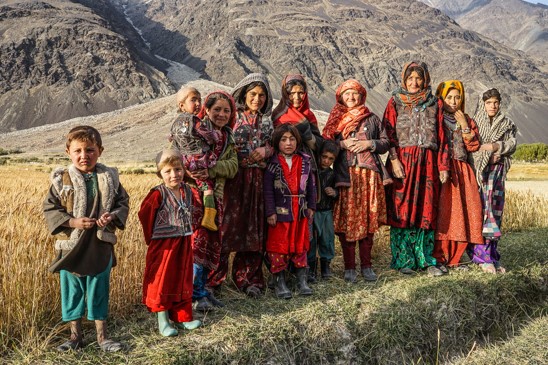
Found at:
(465, 131)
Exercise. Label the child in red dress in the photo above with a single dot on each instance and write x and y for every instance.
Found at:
(166, 218)
(290, 201)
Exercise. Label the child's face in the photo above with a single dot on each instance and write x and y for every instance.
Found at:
(84, 155)
(288, 144)
(192, 104)
(173, 175)
(326, 160)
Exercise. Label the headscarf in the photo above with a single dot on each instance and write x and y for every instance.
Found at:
(490, 132)
(232, 117)
(342, 119)
(285, 112)
(240, 91)
(444, 88)
(421, 99)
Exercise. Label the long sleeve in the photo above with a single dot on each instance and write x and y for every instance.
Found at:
(311, 192)
(443, 148)
(507, 146)
(268, 192)
(120, 208)
(382, 143)
(55, 214)
(389, 119)
(227, 165)
(472, 142)
(147, 213)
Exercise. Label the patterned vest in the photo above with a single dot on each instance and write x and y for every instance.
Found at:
(417, 127)
(174, 217)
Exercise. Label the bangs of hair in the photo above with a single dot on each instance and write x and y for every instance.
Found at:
(280, 131)
(84, 133)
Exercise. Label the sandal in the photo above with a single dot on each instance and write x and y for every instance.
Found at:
(488, 268)
(70, 345)
(110, 346)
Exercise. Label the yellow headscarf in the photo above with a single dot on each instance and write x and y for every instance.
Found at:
(444, 87)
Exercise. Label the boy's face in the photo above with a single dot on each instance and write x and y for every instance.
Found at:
(192, 104)
(84, 155)
(326, 160)
(173, 175)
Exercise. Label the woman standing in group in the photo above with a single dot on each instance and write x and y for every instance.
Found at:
(243, 229)
(294, 109)
(419, 160)
(219, 111)
(361, 207)
(497, 135)
(460, 209)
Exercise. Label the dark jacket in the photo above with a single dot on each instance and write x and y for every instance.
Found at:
(277, 197)
(326, 180)
(371, 128)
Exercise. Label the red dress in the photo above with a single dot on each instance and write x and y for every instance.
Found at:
(167, 282)
(290, 238)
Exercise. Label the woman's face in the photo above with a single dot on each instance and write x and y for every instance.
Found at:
(219, 113)
(255, 99)
(351, 98)
(288, 143)
(414, 83)
(296, 95)
(492, 106)
(452, 101)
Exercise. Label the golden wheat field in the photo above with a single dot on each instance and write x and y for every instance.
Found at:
(30, 294)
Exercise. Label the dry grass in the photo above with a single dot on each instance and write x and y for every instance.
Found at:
(394, 321)
(528, 171)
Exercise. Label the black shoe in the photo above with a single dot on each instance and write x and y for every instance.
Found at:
(302, 285)
(350, 275)
(312, 271)
(368, 274)
(325, 269)
(281, 289)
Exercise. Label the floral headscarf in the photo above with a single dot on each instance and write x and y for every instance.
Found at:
(344, 120)
(421, 99)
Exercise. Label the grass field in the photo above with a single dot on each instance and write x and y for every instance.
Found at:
(462, 318)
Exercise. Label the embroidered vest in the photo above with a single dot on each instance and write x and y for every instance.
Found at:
(456, 145)
(417, 127)
(173, 218)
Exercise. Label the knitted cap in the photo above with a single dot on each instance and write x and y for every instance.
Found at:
(240, 89)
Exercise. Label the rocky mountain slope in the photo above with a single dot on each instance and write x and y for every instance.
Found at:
(514, 23)
(61, 59)
(329, 41)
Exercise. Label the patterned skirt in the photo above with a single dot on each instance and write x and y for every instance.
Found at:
(361, 208)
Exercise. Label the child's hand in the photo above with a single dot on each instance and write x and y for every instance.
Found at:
(82, 223)
(310, 213)
(271, 220)
(330, 191)
(104, 220)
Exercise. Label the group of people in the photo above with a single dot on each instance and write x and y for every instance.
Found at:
(268, 188)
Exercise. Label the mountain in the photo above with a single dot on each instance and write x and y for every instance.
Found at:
(330, 41)
(62, 59)
(514, 23)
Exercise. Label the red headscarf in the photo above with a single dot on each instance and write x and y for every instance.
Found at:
(285, 112)
(342, 119)
(232, 118)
